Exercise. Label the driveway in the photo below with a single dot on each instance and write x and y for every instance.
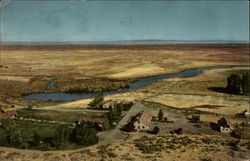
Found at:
(116, 132)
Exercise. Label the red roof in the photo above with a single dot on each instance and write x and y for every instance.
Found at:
(93, 119)
(7, 114)
(109, 103)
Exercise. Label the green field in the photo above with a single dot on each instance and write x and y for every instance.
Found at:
(61, 116)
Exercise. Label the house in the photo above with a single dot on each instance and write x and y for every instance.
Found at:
(99, 121)
(142, 121)
(8, 114)
(109, 104)
(225, 126)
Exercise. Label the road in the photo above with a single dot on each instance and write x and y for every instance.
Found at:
(115, 133)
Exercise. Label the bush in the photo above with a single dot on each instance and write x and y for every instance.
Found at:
(97, 102)
(233, 144)
(156, 130)
(84, 134)
(129, 127)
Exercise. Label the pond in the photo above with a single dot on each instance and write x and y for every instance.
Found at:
(142, 82)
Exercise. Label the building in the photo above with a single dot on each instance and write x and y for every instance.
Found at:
(99, 121)
(225, 125)
(142, 121)
(109, 104)
(8, 114)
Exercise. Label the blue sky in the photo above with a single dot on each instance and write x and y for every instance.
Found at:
(54, 21)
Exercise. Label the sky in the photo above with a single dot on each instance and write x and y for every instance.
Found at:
(101, 21)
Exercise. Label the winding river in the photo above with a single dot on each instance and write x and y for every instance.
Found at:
(142, 82)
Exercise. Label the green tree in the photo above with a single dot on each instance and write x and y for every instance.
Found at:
(13, 132)
(62, 134)
(113, 115)
(234, 84)
(84, 134)
(29, 107)
(96, 103)
(119, 108)
(160, 115)
(130, 127)
(36, 139)
(245, 83)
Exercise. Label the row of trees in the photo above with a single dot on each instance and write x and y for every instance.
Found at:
(83, 134)
(239, 84)
(13, 132)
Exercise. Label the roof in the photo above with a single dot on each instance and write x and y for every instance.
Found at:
(224, 122)
(143, 117)
(93, 119)
(109, 102)
(7, 114)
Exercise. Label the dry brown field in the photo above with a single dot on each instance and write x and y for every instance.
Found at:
(24, 68)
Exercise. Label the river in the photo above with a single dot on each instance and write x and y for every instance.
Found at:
(139, 83)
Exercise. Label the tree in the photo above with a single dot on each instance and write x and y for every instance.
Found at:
(130, 127)
(13, 132)
(119, 108)
(156, 130)
(113, 115)
(245, 83)
(234, 84)
(237, 85)
(96, 103)
(160, 115)
(84, 134)
(36, 139)
(62, 134)
(29, 107)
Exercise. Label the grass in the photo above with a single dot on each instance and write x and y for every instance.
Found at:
(63, 116)
(28, 129)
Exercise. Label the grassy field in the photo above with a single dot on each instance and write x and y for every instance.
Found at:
(61, 116)
(28, 129)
